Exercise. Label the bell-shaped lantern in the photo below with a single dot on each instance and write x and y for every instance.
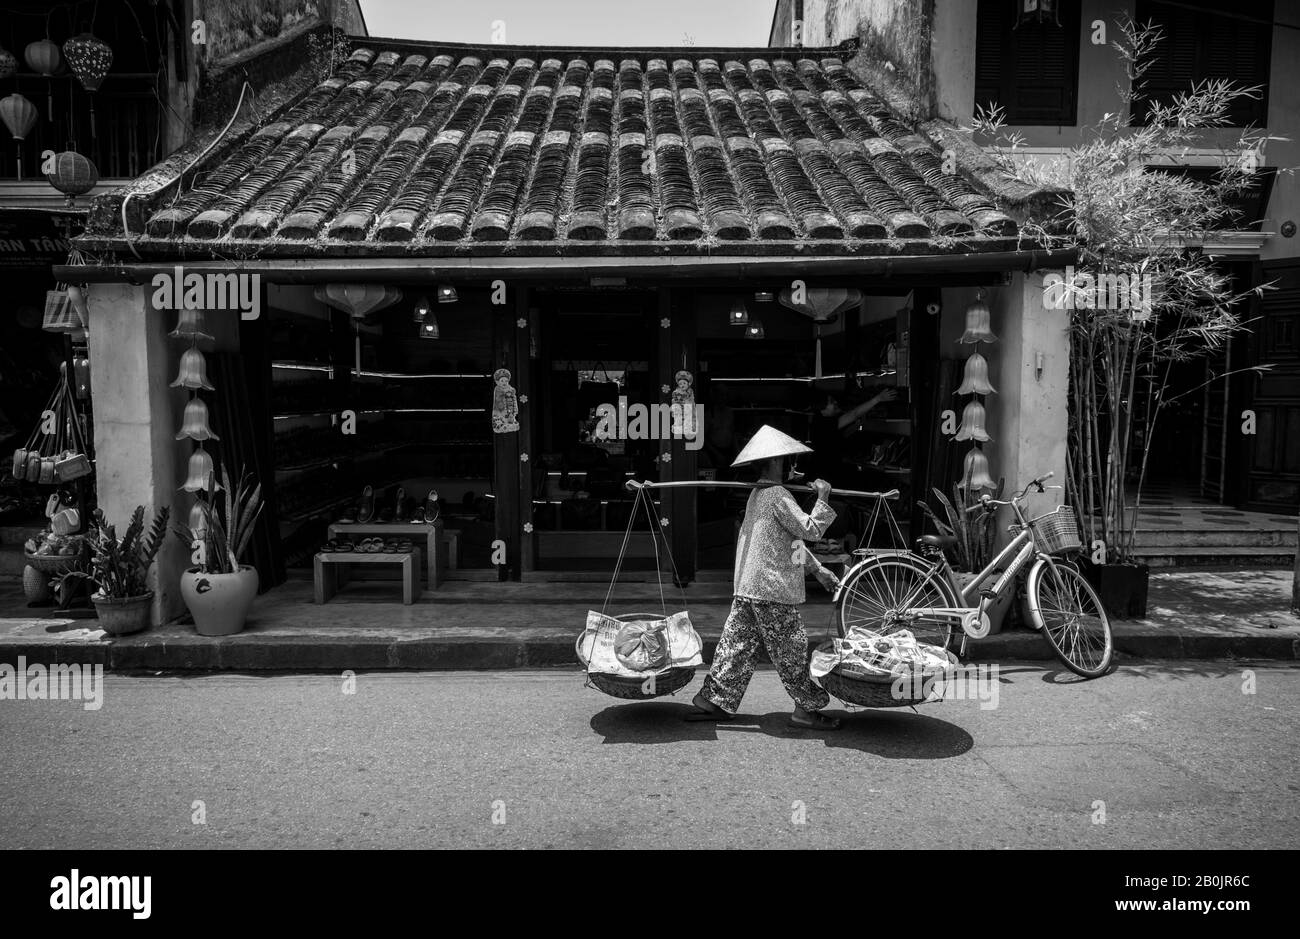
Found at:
(8, 63)
(189, 325)
(975, 471)
(198, 519)
(200, 471)
(975, 379)
(978, 327)
(193, 371)
(195, 423)
(972, 423)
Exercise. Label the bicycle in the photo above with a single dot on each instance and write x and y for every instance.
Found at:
(889, 590)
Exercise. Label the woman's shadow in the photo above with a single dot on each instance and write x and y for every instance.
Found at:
(890, 733)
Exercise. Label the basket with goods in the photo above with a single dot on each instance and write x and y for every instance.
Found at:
(56, 451)
(639, 656)
(52, 554)
(881, 670)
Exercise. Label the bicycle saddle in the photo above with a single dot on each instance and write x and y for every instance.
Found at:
(937, 541)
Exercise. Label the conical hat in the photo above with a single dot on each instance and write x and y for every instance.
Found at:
(768, 443)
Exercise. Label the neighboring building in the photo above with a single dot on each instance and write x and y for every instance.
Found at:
(599, 224)
(1053, 82)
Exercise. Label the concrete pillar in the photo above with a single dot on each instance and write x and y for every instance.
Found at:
(132, 363)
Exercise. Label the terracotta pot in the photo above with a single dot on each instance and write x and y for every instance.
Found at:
(219, 603)
(122, 616)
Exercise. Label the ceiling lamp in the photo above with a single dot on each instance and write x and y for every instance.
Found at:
(422, 308)
(739, 316)
(447, 293)
(764, 296)
(429, 328)
(754, 330)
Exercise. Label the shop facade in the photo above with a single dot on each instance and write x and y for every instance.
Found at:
(517, 278)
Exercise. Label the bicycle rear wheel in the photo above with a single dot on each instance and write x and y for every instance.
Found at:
(1067, 610)
(878, 593)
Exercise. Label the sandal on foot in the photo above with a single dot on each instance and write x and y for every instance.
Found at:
(812, 720)
(706, 710)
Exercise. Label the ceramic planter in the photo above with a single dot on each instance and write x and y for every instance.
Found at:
(1122, 588)
(122, 616)
(997, 610)
(219, 603)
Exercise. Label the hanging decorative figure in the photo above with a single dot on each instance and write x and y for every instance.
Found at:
(771, 562)
(505, 403)
(683, 406)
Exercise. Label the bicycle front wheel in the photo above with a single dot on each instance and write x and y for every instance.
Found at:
(1065, 607)
(879, 593)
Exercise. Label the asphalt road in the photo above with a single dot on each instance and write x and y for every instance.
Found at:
(1178, 754)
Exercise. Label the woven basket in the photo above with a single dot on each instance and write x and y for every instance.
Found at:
(669, 681)
(50, 563)
(871, 692)
(1058, 531)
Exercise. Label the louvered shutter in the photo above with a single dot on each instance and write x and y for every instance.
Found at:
(1031, 71)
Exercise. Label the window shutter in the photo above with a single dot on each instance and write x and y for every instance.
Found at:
(1031, 70)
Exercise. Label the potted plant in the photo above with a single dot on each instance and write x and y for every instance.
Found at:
(120, 568)
(1142, 296)
(219, 590)
(975, 533)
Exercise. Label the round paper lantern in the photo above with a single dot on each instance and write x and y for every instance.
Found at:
(19, 115)
(90, 58)
(43, 57)
(73, 174)
(8, 63)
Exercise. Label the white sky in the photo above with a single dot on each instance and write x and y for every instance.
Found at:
(575, 22)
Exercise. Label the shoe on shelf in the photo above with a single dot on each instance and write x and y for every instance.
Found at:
(401, 506)
(366, 508)
(432, 507)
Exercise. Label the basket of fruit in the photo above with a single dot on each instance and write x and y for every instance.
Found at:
(52, 554)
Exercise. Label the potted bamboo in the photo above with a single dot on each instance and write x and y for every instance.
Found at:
(219, 590)
(119, 569)
(975, 533)
(1142, 296)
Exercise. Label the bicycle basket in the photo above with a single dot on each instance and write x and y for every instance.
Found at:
(1058, 531)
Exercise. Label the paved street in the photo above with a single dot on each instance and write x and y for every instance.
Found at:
(1178, 754)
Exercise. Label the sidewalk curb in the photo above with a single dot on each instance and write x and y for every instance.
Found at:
(249, 651)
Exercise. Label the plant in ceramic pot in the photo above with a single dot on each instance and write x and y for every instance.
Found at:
(219, 590)
(975, 532)
(119, 568)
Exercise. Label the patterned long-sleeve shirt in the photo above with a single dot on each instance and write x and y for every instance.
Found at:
(771, 559)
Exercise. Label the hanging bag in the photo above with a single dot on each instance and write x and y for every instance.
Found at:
(640, 655)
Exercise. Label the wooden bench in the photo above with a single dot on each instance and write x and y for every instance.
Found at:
(432, 533)
(332, 568)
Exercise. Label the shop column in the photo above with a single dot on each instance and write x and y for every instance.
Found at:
(131, 364)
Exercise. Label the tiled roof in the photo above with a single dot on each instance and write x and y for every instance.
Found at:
(403, 150)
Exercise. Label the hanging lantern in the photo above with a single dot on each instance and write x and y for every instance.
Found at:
(975, 379)
(447, 294)
(19, 116)
(975, 471)
(972, 423)
(822, 305)
(90, 59)
(739, 316)
(193, 371)
(8, 63)
(978, 327)
(357, 300)
(422, 309)
(754, 330)
(198, 519)
(194, 425)
(429, 328)
(44, 58)
(200, 471)
(189, 325)
(73, 175)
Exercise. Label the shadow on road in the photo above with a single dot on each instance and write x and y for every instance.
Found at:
(892, 734)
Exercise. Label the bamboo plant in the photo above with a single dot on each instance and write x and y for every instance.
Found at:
(974, 531)
(1127, 220)
(229, 516)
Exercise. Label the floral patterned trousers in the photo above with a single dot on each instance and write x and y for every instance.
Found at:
(752, 625)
